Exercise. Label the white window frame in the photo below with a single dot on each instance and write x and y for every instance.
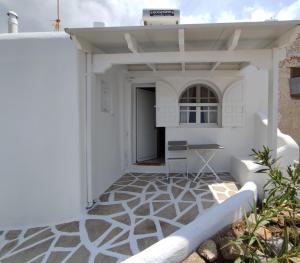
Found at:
(198, 106)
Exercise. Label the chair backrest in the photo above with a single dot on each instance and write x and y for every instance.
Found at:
(177, 145)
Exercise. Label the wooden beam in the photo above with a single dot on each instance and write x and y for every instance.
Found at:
(151, 66)
(182, 66)
(214, 67)
(232, 43)
(134, 47)
(261, 58)
(181, 45)
(287, 38)
(189, 73)
(234, 39)
(131, 43)
(84, 45)
(181, 40)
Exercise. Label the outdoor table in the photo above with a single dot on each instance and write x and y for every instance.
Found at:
(212, 150)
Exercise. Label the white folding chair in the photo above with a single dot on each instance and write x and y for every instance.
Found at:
(177, 147)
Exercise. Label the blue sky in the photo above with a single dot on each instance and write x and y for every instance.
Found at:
(37, 15)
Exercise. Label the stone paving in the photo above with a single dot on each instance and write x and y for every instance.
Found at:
(134, 213)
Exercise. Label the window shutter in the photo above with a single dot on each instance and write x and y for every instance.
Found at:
(167, 109)
(233, 109)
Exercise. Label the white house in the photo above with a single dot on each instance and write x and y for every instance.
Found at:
(81, 108)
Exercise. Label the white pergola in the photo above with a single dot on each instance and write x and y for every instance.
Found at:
(209, 47)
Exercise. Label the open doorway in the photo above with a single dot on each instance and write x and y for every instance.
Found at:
(150, 140)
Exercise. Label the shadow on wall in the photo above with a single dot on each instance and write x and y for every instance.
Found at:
(244, 169)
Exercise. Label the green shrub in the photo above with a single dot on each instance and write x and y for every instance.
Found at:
(280, 209)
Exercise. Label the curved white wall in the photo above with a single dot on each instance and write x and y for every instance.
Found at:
(287, 148)
(40, 154)
(244, 169)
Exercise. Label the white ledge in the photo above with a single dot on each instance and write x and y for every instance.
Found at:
(259, 57)
(34, 35)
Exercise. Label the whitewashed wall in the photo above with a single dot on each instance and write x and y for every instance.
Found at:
(40, 154)
(237, 141)
(106, 140)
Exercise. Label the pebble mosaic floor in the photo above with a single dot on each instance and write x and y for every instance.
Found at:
(134, 213)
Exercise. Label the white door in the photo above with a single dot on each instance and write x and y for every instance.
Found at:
(167, 110)
(145, 123)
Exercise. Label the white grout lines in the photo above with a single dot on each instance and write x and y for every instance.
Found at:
(135, 212)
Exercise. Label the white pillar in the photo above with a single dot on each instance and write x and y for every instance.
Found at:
(273, 102)
(88, 127)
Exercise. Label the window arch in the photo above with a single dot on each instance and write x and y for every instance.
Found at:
(199, 104)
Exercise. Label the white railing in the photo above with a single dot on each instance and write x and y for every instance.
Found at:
(287, 148)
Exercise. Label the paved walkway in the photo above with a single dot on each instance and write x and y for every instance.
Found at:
(135, 212)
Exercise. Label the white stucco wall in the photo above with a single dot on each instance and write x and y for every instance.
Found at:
(40, 155)
(106, 145)
(236, 141)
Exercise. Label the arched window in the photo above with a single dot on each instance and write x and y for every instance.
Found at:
(199, 104)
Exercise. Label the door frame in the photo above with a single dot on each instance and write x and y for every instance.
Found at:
(134, 116)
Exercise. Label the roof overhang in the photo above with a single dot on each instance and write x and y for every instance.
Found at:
(186, 38)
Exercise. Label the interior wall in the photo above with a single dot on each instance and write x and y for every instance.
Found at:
(236, 141)
(106, 140)
(40, 153)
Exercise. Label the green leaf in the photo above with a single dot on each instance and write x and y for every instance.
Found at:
(273, 260)
(252, 240)
(295, 259)
(238, 260)
(281, 194)
(285, 244)
(264, 170)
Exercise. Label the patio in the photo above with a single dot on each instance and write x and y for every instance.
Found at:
(134, 213)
